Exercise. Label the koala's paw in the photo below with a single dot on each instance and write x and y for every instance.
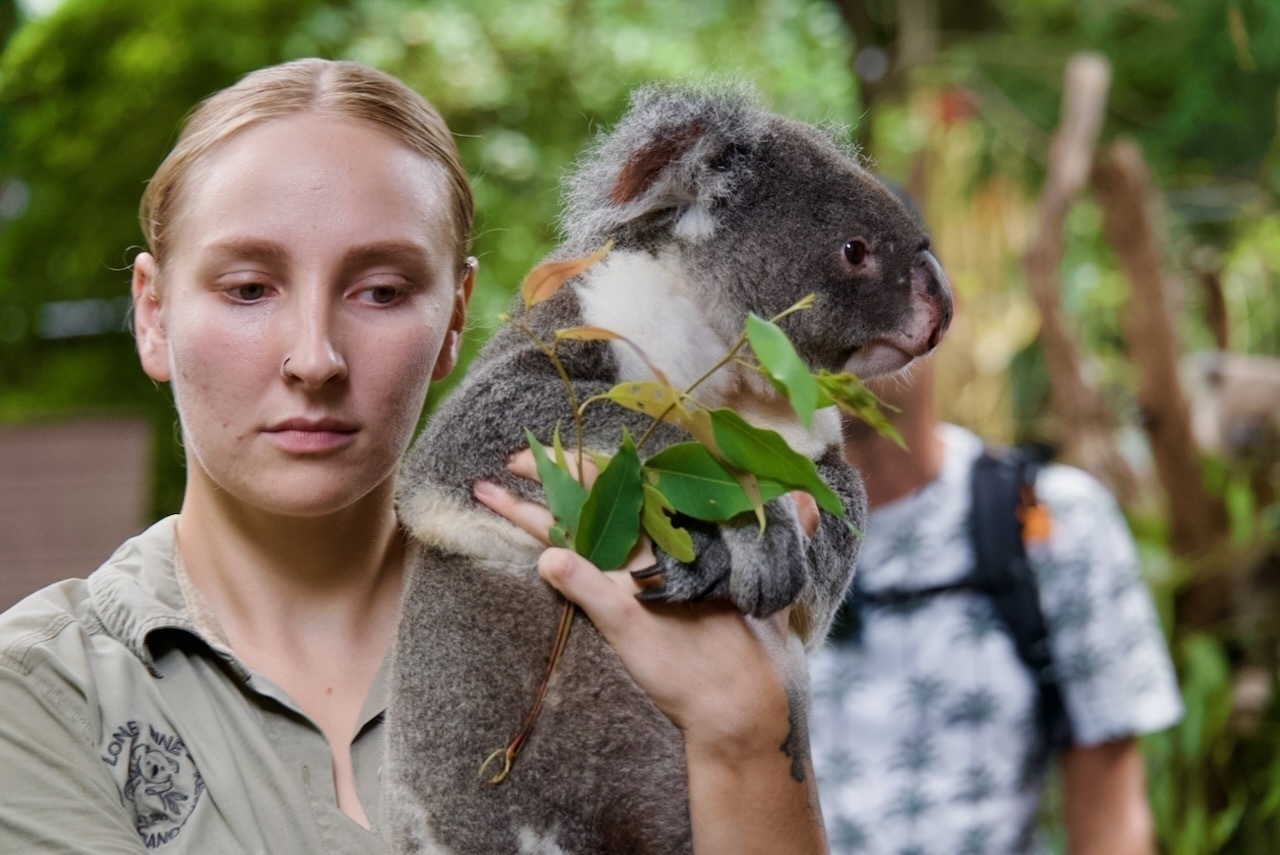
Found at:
(758, 573)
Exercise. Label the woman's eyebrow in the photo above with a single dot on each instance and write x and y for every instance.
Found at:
(251, 249)
(256, 249)
(392, 251)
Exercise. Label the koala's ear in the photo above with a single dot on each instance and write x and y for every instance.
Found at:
(686, 170)
(641, 172)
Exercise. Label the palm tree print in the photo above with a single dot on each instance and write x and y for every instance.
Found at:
(910, 803)
(975, 709)
(923, 694)
(916, 753)
(848, 835)
(977, 784)
(980, 621)
(976, 840)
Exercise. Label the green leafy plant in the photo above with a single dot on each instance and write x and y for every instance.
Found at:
(729, 467)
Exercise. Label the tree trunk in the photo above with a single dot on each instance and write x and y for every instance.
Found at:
(1197, 520)
(1121, 183)
(1084, 425)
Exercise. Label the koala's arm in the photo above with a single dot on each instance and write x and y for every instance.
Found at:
(511, 387)
(762, 573)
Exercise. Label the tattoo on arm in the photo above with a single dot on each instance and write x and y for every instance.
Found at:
(796, 744)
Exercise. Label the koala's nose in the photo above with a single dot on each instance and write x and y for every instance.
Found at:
(929, 280)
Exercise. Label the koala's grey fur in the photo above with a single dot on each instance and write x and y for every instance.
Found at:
(717, 208)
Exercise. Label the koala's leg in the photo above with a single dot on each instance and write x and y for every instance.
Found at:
(602, 770)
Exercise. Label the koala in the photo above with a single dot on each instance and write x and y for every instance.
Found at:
(717, 208)
(1235, 401)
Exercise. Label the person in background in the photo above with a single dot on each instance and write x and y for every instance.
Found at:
(218, 685)
(931, 734)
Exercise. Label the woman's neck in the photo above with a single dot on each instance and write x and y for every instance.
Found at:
(309, 603)
(268, 575)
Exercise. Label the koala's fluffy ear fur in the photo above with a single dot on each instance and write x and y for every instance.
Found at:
(672, 156)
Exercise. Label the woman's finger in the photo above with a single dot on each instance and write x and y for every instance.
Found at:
(806, 511)
(530, 516)
(607, 598)
(522, 463)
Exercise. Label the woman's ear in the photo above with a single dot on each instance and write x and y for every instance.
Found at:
(148, 319)
(448, 357)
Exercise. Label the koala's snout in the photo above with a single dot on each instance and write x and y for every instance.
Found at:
(929, 282)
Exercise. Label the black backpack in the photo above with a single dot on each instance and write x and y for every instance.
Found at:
(1003, 489)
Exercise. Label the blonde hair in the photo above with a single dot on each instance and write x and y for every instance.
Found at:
(342, 89)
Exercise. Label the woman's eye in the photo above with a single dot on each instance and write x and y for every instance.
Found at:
(249, 293)
(382, 294)
(855, 252)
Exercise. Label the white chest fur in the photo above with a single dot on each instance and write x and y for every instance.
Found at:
(648, 300)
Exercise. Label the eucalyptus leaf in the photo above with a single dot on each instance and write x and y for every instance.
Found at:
(697, 484)
(661, 400)
(849, 393)
(783, 366)
(545, 279)
(765, 454)
(565, 496)
(609, 525)
(655, 518)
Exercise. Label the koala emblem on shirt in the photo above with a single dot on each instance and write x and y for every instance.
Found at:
(160, 779)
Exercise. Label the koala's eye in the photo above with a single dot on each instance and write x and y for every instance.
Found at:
(855, 252)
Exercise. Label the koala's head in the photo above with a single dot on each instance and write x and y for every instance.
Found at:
(760, 211)
(1235, 405)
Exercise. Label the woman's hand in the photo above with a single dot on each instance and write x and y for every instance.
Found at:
(718, 675)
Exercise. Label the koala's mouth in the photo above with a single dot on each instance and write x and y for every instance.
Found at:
(878, 358)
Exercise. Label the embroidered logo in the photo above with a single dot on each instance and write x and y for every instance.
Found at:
(161, 782)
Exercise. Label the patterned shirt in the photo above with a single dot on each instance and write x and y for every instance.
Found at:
(924, 730)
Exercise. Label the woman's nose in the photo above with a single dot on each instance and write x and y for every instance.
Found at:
(313, 355)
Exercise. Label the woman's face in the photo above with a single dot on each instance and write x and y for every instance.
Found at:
(310, 293)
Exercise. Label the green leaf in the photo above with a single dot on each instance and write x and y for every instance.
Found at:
(657, 399)
(783, 366)
(610, 522)
(655, 518)
(565, 496)
(765, 454)
(849, 394)
(697, 484)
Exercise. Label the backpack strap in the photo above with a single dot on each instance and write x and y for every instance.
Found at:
(1005, 513)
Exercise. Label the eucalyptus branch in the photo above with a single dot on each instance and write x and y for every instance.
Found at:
(549, 350)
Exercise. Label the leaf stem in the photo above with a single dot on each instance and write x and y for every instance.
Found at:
(549, 350)
(509, 754)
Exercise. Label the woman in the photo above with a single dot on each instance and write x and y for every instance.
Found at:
(217, 686)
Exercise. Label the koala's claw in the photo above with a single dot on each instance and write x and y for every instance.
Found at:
(648, 572)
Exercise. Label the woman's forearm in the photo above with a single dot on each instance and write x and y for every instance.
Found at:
(744, 801)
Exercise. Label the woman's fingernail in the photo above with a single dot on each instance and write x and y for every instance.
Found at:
(485, 489)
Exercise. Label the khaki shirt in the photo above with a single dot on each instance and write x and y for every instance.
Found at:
(127, 725)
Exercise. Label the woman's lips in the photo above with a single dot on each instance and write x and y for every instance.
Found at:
(302, 436)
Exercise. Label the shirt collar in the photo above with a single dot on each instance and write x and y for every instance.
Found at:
(142, 594)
